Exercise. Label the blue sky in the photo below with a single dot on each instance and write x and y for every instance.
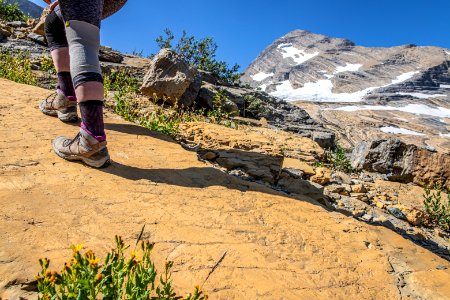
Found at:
(244, 28)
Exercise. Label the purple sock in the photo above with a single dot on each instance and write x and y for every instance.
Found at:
(92, 118)
(65, 84)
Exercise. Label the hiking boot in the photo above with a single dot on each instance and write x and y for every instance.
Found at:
(57, 104)
(84, 147)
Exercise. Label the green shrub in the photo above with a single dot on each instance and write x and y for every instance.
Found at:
(338, 160)
(11, 12)
(47, 65)
(200, 53)
(256, 107)
(119, 277)
(17, 67)
(437, 209)
(121, 81)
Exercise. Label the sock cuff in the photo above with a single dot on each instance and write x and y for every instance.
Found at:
(91, 103)
(64, 73)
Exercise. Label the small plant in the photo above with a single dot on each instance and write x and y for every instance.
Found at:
(47, 65)
(437, 209)
(17, 67)
(338, 159)
(119, 277)
(121, 80)
(218, 115)
(255, 107)
(11, 12)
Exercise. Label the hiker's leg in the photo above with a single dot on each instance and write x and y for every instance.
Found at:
(82, 24)
(56, 37)
(63, 103)
(82, 20)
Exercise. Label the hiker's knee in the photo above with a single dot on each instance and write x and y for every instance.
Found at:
(55, 31)
(84, 44)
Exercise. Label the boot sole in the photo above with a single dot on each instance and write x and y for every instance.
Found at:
(95, 163)
(64, 117)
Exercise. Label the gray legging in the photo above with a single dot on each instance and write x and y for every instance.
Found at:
(81, 19)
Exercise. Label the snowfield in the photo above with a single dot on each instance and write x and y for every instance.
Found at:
(321, 91)
(299, 56)
(399, 130)
(421, 95)
(261, 76)
(348, 68)
(417, 109)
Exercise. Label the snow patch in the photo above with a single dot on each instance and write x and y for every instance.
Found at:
(399, 130)
(261, 76)
(421, 95)
(448, 53)
(321, 91)
(299, 56)
(417, 109)
(444, 135)
(348, 68)
(403, 77)
(263, 87)
(402, 119)
(445, 86)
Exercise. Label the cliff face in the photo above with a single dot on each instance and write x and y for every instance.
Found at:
(306, 66)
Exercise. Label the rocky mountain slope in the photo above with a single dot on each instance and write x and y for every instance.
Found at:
(274, 244)
(307, 66)
(29, 8)
(408, 85)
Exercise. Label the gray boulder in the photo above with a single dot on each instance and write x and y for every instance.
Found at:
(391, 157)
(192, 92)
(168, 78)
(109, 55)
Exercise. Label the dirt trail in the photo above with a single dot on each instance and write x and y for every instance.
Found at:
(277, 247)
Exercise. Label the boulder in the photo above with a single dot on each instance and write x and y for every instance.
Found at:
(259, 166)
(39, 28)
(37, 38)
(296, 164)
(205, 98)
(323, 176)
(109, 55)
(325, 139)
(17, 24)
(301, 187)
(192, 92)
(402, 162)
(230, 104)
(5, 31)
(168, 78)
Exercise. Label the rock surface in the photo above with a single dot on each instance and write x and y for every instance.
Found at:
(168, 78)
(277, 246)
(402, 162)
